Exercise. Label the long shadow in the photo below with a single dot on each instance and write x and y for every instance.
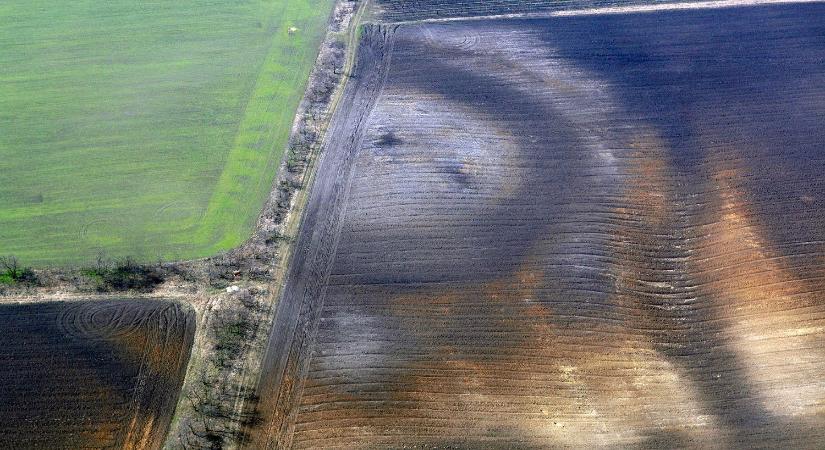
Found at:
(669, 69)
(698, 76)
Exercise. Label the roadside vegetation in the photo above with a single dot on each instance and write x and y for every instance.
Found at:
(124, 275)
(218, 386)
(219, 403)
(11, 272)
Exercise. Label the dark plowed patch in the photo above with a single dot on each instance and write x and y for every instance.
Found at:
(594, 231)
(91, 374)
(408, 10)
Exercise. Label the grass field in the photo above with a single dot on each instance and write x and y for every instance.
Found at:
(147, 129)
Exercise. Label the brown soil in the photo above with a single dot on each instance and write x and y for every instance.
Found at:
(92, 374)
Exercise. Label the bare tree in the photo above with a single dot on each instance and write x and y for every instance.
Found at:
(11, 266)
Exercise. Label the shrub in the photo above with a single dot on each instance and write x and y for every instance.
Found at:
(12, 272)
(124, 275)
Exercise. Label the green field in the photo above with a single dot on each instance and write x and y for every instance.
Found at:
(150, 129)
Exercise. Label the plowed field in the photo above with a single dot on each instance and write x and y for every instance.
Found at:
(574, 231)
(411, 10)
(91, 374)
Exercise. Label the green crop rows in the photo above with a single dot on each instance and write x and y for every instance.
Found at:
(149, 129)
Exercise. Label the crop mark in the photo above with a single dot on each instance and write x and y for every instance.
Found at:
(173, 210)
(83, 233)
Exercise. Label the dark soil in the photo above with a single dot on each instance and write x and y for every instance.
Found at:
(91, 374)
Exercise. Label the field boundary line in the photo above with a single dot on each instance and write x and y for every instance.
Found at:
(315, 313)
(293, 327)
(295, 217)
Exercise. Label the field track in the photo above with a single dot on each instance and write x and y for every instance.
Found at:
(91, 374)
(589, 231)
(314, 250)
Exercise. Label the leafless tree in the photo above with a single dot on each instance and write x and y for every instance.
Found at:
(11, 265)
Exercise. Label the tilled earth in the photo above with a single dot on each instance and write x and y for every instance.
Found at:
(412, 10)
(91, 374)
(577, 231)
